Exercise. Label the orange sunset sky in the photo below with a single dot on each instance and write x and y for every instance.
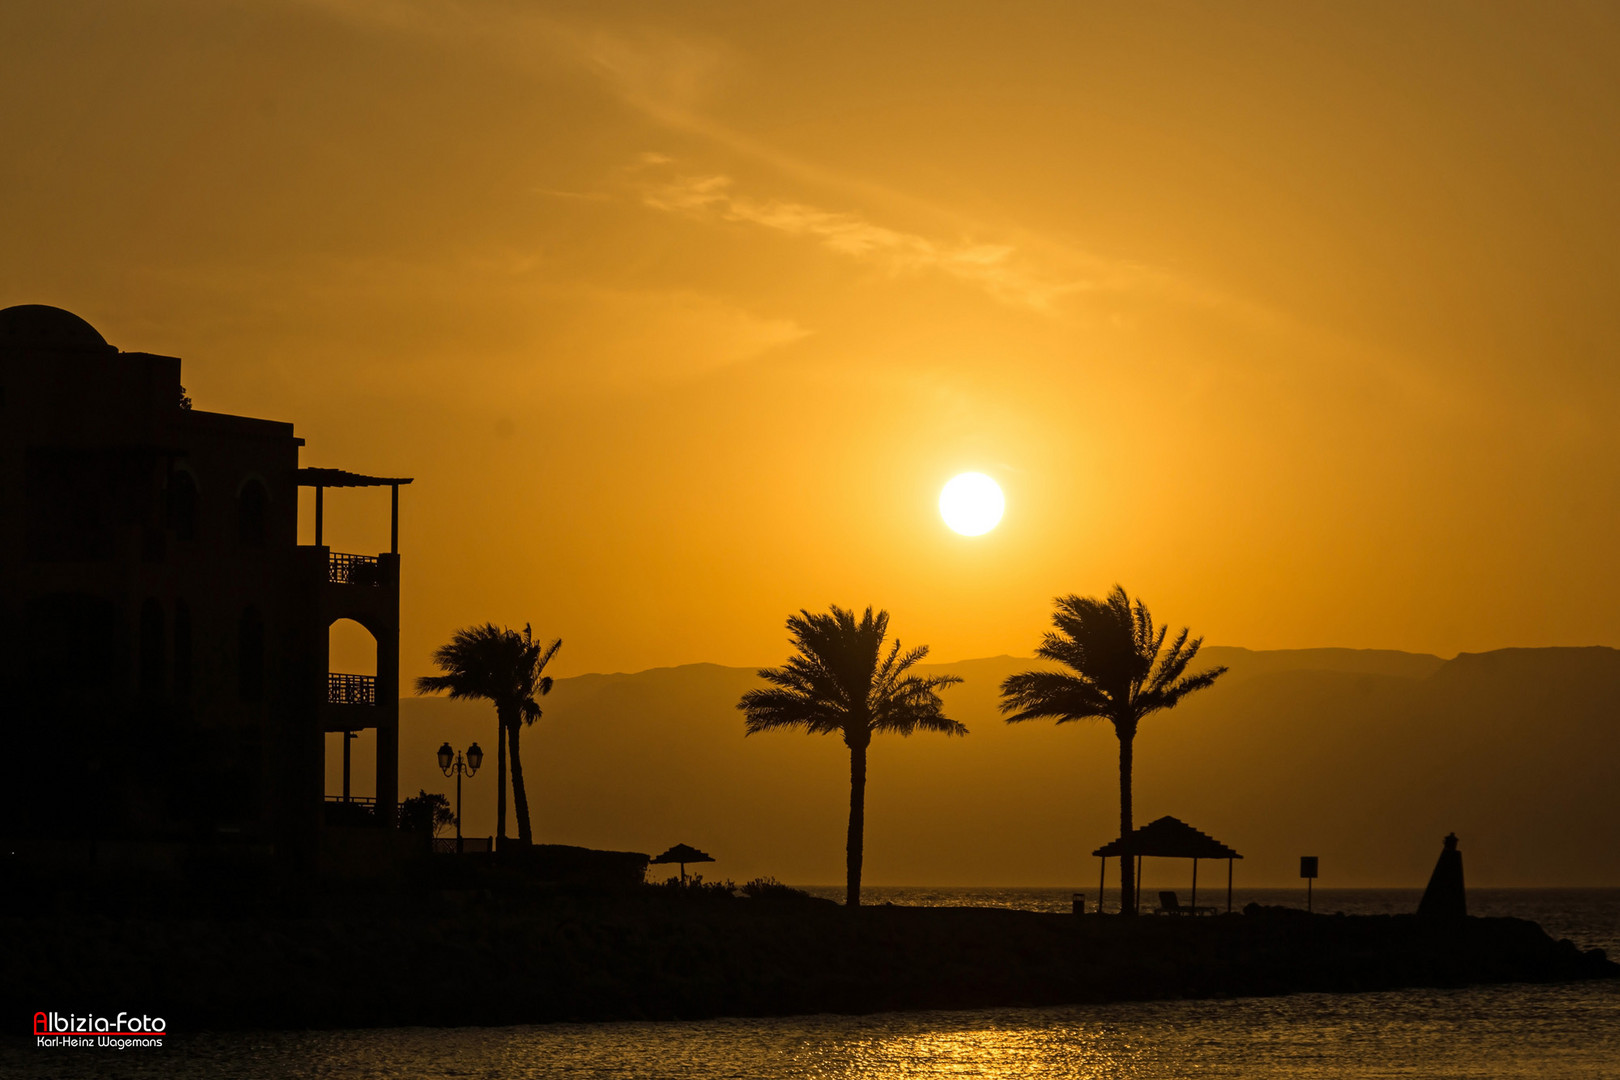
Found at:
(1297, 319)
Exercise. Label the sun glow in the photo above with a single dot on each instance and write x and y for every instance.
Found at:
(971, 504)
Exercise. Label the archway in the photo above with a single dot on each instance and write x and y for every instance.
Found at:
(351, 756)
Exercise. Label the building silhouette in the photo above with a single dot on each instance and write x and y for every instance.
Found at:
(164, 638)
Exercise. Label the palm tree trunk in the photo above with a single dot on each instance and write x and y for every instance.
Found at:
(520, 797)
(857, 823)
(1127, 876)
(500, 786)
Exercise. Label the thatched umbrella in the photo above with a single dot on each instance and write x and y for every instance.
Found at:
(1172, 838)
(683, 854)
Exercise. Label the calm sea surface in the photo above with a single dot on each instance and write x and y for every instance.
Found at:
(1588, 917)
(1484, 1032)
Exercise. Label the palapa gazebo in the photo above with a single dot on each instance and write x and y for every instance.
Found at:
(682, 854)
(1167, 838)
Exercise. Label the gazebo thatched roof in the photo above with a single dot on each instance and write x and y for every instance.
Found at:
(1169, 838)
(683, 853)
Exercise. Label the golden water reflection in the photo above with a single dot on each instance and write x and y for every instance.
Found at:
(1496, 1032)
(1484, 1033)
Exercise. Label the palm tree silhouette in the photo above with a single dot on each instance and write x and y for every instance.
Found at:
(506, 668)
(1122, 672)
(841, 682)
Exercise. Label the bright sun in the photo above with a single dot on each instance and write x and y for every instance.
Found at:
(971, 504)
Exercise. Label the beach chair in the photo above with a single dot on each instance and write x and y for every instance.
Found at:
(1169, 905)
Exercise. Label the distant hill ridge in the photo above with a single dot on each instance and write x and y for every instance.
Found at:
(1246, 662)
(1363, 757)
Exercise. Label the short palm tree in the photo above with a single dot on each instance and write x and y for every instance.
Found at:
(1121, 672)
(842, 682)
(506, 668)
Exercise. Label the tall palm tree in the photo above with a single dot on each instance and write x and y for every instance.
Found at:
(506, 668)
(1122, 671)
(842, 682)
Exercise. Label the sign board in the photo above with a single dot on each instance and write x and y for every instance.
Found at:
(1307, 866)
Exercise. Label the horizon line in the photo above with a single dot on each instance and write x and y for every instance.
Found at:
(1033, 659)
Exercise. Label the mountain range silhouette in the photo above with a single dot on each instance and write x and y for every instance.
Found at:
(1362, 757)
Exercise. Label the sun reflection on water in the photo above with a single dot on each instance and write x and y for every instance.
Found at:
(1496, 1032)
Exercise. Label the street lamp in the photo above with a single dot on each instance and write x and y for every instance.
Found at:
(459, 768)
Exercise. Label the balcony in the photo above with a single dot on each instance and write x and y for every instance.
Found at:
(363, 570)
(343, 689)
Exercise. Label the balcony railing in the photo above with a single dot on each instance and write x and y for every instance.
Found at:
(344, 569)
(344, 689)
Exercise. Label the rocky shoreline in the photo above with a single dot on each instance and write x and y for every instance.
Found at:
(469, 958)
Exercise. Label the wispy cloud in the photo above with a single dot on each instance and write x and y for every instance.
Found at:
(995, 268)
(673, 77)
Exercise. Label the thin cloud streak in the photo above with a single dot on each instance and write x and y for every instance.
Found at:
(990, 266)
(668, 77)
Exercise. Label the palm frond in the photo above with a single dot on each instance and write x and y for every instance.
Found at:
(1186, 686)
(914, 704)
(774, 709)
(931, 720)
(841, 679)
(531, 683)
(1122, 669)
(1172, 663)
(1037, 695)
(477, 662)
(496, 664)
(545, 655)
(891, 675)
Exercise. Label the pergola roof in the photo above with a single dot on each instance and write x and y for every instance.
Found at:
(1168, 838)
(683, 853)
(336, 478)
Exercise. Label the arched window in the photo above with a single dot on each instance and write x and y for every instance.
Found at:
(151, 650)
(252, 514)
(250, 655)
(182, 651)
(183, 505)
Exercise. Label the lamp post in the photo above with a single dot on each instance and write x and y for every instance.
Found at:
(459, 768)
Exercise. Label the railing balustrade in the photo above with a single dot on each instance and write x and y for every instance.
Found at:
(344, 569)
(342, 689)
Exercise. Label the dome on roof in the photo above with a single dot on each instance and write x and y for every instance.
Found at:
(40, 326)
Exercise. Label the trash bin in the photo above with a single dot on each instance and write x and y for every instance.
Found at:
(1079, 903)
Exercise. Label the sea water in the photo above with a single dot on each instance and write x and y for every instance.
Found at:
(1496, 1032)
(1588, 917)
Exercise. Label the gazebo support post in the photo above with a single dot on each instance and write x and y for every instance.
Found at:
(1102, 878)
(1229, 886)
(1195, 885)
(1137, 910)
